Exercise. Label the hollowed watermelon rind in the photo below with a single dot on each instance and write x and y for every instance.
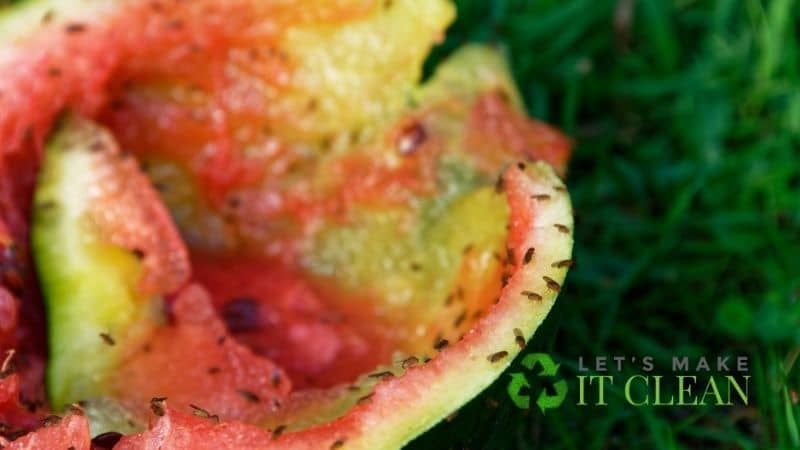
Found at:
(402, 407)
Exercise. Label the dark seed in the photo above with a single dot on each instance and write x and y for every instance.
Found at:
(498, 185)
(221, 340)
(467, 249)
(560, 188)
(241, 315)
(278, 431)
(365, 398)
(449, 300)
(338, 444)
(51, 420)
(106, 441)
(276, 378)
(54, 72)
(48, 17)
(416, 267)
(382, 375)
(460, 319)
(564, 263)
(249, 396)
(521, 165)
(157, 406)
(107, 339)
(411, 138)
(532, 295)
(541, 197)
(562, 228)
(510, 255)
(440, 344)
(45, 205)
(203, 414)
(410, 362)
(76, 409)
(519, 338)
(494, 357)
(353, 388)
(75, 28)
(452, 416)
(528, 255)
(552, 284)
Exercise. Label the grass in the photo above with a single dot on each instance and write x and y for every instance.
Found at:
(686, 184)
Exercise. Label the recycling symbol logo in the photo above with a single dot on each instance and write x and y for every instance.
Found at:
(548, 369)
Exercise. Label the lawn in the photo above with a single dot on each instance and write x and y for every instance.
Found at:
(686, 184)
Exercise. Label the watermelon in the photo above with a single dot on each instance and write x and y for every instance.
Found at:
(254, 227)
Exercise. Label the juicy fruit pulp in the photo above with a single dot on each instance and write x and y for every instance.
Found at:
(346, 224)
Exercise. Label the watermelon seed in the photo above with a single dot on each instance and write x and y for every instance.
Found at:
(106, 441)
(276, 378)
(415, 267)
(532, 295)
(51, 420)
(410, 362)
(47, 17)
(519, 338)
(467, 249)
(107, 339)
(505, 278)
(241, 314)
(494, 357)
(510, 255)
(460, 293)
(449, 300)
(460, 319)
(541, 197)
(203, 414)
(498, 258)
(560, 188)
(157, 406)
(45, 205)
(54, 72)
(278, 431)
(552, 284)
(411, 139)
(564, 263)
(74, 28)
(477, 314)
(338, 444)
(76, 409)
(562, 228)
(498, 186)
(214, 370)
(382, 375)
(441, 344)
(249, 396)
(528, 255)
(521, 165)
(387, 4)
(221, 340)
(365, 398)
